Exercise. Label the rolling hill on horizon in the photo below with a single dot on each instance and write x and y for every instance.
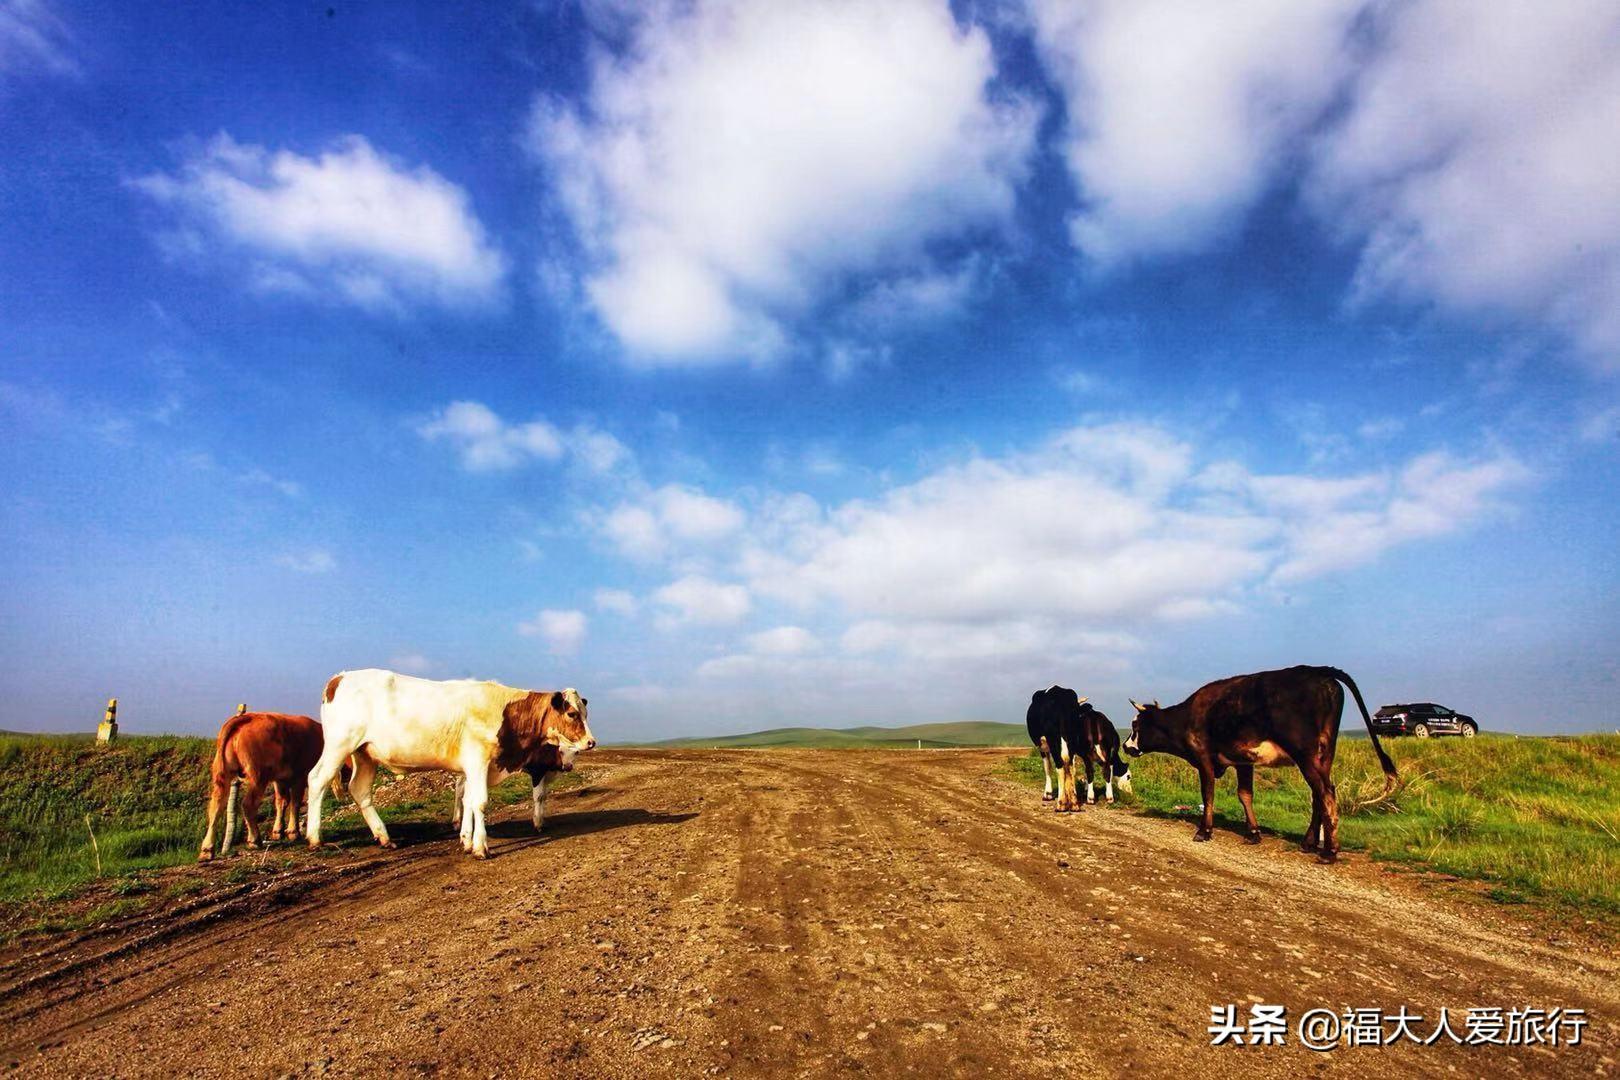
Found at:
(935, 736)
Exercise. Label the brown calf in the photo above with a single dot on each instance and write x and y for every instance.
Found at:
(260, 750)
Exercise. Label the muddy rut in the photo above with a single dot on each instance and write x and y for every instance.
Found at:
(799, 912)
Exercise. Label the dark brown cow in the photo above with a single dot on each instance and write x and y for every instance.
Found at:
(1268, 718)
(260, 750)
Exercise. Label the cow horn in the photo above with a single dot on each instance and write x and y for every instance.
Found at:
(1137, 705)
(1082, 701)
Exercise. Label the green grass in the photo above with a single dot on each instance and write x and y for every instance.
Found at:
(1537, 818)
(146, 799)
(932, 736)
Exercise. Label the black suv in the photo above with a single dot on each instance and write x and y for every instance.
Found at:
(1423, 719)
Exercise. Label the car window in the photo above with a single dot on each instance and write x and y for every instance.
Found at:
(1441, 710)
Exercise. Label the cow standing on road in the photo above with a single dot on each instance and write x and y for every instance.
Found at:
(1055, 727)
(479, 729)
(1270, 718)
(1101, 739)
(260, 750)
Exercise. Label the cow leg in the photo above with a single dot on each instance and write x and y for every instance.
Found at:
(280, 799)
(1245, 788)
(324, 773)
(252, 795)
(365, 771)
(295, 797)
(541, 791)
(1206, 785)
(455, 801)
(473, 837)
(1091, 790)
(220, 796)
(1048, 794)
(1330, 818)
(1313, 831)
(1067, 800)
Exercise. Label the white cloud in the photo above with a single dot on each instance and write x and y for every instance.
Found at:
(488, 443)
(734, 159)
(1477, 161)
(783, 641)
(1468, 158)
(703, 601)
(669, 518)
(1107, 526)
(1180, 113)
(34, 38)
(562, 630)
(308, 561)
(618, 601)
(351, 224)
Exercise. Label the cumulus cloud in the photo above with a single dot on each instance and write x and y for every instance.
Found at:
(669, 518)
(1466, 158)
(486, 442)
(695, 599)
(732, 160)
(561, 630)
(350, 224)
(1476, 163)
(413, 664)
(1180, 113)
(1113, 526)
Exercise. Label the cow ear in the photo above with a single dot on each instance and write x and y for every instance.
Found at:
(559, 701)
(584, 701)
(1156, 704)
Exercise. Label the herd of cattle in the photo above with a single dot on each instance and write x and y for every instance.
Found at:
(482, 731)
(1270, 718)
(485, 732)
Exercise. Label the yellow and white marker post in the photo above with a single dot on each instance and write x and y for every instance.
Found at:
(107, 730)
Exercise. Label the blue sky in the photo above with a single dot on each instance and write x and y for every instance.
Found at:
(746, 365)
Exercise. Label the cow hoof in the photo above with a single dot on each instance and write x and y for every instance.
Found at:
(1110, 800)
(252, 845)
(205, 856)
(1201, 835)
(480, 853)
(1252, 838)
(1308, 847)
(1048, 797)
(387, 844)
(1328, 857)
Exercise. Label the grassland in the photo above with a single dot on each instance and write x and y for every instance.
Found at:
(143, 799)
(1536, 818)
(932, 736)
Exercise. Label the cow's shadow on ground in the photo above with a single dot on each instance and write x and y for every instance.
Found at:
(515, 833)
(583, 823)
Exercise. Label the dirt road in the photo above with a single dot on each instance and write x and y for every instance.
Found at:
(806, 912)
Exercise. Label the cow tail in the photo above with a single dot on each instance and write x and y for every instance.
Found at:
(1390, 776)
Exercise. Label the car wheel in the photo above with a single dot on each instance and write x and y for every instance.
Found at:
(1420, 730)
(1470, 730)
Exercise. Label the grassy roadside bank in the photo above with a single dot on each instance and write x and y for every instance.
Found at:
(1536, 818)
(145, 799)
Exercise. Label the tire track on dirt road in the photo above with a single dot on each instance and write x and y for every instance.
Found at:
(810, 913)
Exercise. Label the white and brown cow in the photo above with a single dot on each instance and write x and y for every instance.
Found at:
(478, 729)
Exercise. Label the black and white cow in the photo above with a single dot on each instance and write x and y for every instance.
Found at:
(1101, 740)
(1055, 727)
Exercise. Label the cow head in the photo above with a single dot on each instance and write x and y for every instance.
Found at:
(565, 726)
(544, 729)
(1149, 732)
